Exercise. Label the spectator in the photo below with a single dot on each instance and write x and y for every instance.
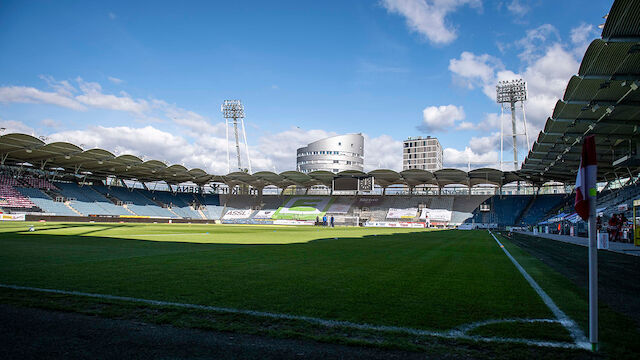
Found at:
(624, 221)
(612, 227)
(619, 227)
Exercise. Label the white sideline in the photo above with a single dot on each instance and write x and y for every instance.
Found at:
(179, 234)
(576, 333)
(457, 333)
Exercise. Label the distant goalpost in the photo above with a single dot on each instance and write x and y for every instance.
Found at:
(348, 220)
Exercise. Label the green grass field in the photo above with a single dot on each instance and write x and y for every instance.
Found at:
(430, 280)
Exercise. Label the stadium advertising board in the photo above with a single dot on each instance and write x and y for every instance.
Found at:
(11, 217)
(395, 224)
(264, 214)
(402, 213)
(303, 208)
(368, 201)
(436, 215)
(293, 222)
(237, 214)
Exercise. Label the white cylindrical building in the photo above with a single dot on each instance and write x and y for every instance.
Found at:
(335, 154)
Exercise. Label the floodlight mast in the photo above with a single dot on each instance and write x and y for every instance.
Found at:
(511, 92)
(233, 111)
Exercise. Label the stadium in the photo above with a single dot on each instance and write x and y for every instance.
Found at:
(481, 263)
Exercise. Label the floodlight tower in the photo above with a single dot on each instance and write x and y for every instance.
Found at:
(233, 112)
(511, 92)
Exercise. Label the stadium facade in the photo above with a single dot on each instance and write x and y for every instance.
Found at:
(422, 153)
(334, 154)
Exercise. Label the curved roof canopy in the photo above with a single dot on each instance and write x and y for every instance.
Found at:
(601, 100)
(99, 163)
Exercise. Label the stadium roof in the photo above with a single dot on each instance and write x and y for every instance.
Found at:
(601, 100)
(66, 158)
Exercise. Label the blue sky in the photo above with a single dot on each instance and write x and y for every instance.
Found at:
(112, 73)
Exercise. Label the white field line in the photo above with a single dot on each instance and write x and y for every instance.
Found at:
(179, 234)
(576, 333)
(458, 333)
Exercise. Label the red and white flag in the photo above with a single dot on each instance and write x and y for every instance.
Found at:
(586, 178)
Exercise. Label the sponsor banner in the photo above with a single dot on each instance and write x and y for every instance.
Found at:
(135, 216)
(11, 217)
(436, 215)
(237, 214)
(623, 207)
(368, 201)
(402, 213)
(264, 214)
(293, 222)
(248, 222)
(395, 224)
(603, 241)
(304, 208)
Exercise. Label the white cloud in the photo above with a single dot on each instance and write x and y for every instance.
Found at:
(462, 159)
(115, 80)
(473, 71)
(466, 125)
(581, 37)
(90, 95)
(50, 123)
(30, 95)
(382, 152)
(518, 8)
(427, 17)
(441, 118)
(93, 96)
(548, 66)
(279, 150)
(484, 144)
(535, 42)
(62, 87)
(12, 126)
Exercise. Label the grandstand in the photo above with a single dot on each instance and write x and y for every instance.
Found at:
(61, 179)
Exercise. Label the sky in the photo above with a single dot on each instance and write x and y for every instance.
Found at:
(148, 78)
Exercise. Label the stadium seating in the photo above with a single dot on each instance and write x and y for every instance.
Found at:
(87, 201)
(12, 198)
(44, 202)
(135, 201)
(211, 205)
(39, 183)
(541, 206)
(179, 203)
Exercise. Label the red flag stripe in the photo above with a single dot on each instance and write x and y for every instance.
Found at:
(586, 177)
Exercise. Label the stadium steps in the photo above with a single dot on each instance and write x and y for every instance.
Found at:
(526, 209)
(129, 210)
(67, 204)
(173, 212)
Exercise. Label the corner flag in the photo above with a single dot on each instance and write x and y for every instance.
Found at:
(586, 178)
(585, 205)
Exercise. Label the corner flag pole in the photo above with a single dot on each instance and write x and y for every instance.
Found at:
(585, 205)
(593, 271)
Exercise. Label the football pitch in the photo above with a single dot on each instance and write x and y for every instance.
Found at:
(386, 287)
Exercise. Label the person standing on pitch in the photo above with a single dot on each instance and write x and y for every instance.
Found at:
(324, 220)
(332, 223)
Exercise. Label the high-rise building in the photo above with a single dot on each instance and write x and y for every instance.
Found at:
(422, 153)
(335, 154)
